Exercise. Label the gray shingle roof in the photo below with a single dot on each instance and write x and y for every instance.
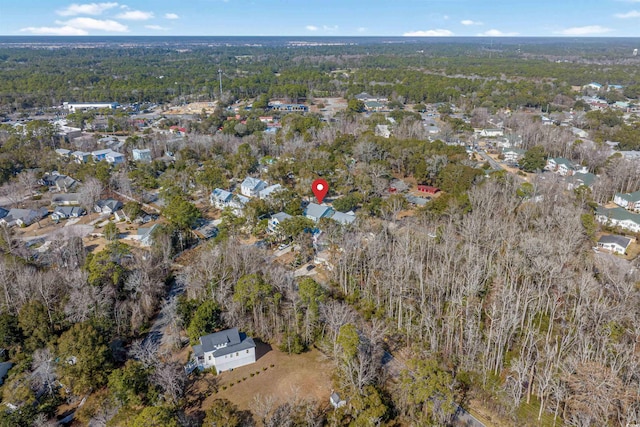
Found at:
(613, 239)
(223, 342)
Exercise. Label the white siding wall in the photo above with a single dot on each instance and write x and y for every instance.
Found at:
(231, 361)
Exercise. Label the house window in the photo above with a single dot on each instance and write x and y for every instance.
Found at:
(209, 357)
(236, 354)
(247, 351)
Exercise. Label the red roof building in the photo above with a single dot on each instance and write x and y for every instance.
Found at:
(428, 189)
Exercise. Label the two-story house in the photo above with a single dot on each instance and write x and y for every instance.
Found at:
(224, 350)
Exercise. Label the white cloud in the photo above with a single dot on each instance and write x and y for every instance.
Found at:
(362, 29)
(496, 33)
(171, 16)
(86, 9)
(584, 31)
(55, 31)
(136, 15)
(311, 28)
(470, 22)
(429, 33)
(156, 27)
(95, 24)
(330, 28)
(630, 14)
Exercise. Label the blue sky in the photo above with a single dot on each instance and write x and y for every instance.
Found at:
(610, 18)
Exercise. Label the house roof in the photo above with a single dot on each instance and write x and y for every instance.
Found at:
(563, 161)
(101, 152)
(630, 197)
(267, 191)
(222, 195)
(252, 183)
(224, 342)
(343, 218)
(373, 104)
(419, 201)
(67, 197)
(144, 232)
(363, 95)
(619, 214)
(613, 239)
(317, 211)
(112, 204)
(281, 216)
(68, 210)
(582, 178)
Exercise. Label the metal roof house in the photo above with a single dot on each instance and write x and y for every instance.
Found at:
(224, 350)
(251, 187)
(315, 211)
(276, 219)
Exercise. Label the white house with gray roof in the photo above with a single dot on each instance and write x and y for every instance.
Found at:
(250, 187)
(276, 220)
(629, 201)
(224, 350)
(268, 191)
(619, 217)
(613, 243)
(560, 165)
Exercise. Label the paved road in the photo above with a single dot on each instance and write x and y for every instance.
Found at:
(493, 163)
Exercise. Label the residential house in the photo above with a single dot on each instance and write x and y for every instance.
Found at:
(491, 133)
(224, 351)
(398, 186)
(629, 201)
(3, 213)
(614, 87)
(560, 165)
(365, 97)
(107, 206)
(267, 192)
(513, 155)
(428, 189)
(99, 155)
(619, 217)
(276, 220)
(418, 201)
(250, 187)
(315, 212)
(23, 217)
(343, 218)
(374, 106)
(63, 212)
(65, 199)
(383, 131)
(142, 155)
(115, 158)
(63, 152)
(145, 235)
(80, 156)
(59, 182)
(613, 243)
(579, 179)
(593, 86)
(220, 198)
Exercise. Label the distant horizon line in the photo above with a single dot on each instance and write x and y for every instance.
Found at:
(359, 36)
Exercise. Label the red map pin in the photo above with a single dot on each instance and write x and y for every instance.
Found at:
(320, 189)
